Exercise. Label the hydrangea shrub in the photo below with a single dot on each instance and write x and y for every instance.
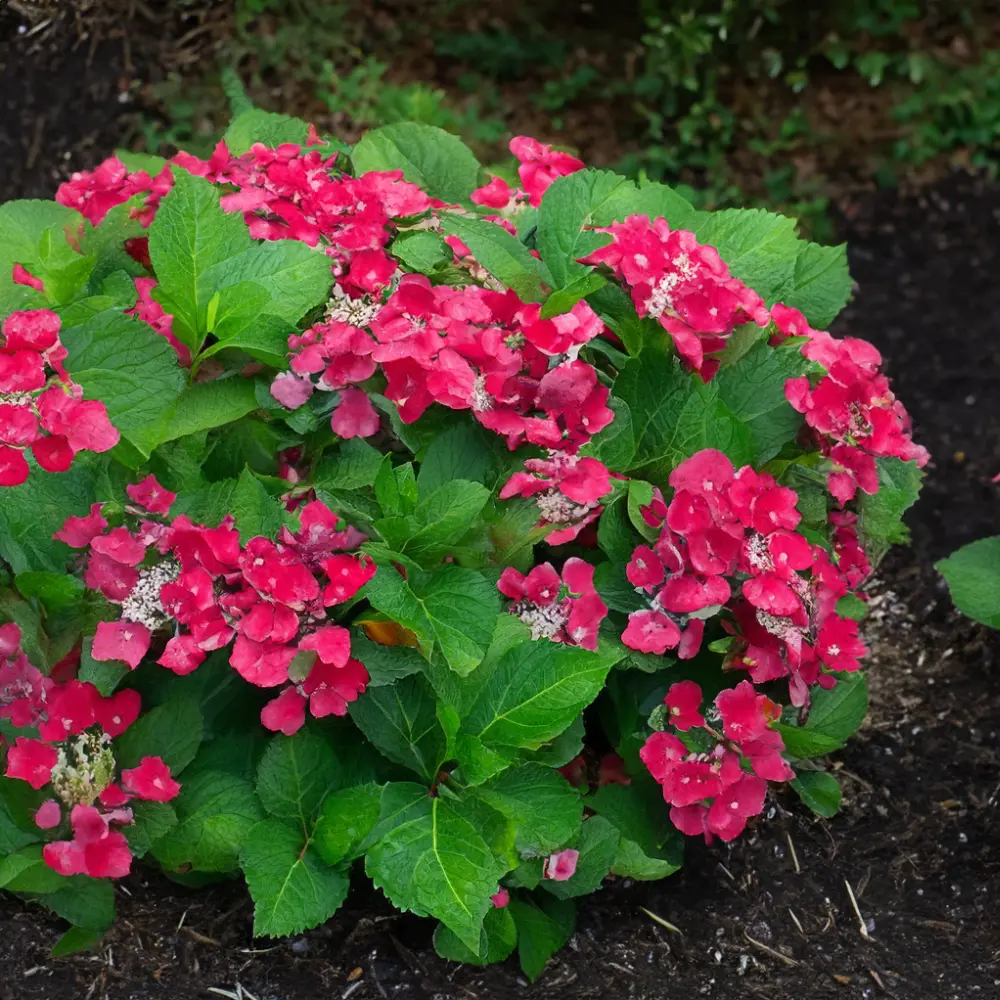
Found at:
(363, 515)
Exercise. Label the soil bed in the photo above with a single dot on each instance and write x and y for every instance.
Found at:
(918, 841)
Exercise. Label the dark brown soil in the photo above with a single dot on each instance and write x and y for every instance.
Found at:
(918, 841)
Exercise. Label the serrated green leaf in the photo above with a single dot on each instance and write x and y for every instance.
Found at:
(255, 510)
(543, 925)
(503, 255)
(598, 847)
(86, 902)
(353, 466)
(820, 791)
(442, 519)
(839, 711)
(151, 821)
(563, 299)
(25, 871)
(451, 610)
(536, 690)
(463, 451)
(821, 283)
(55, 590)
(497, 940)
(293, 889)
(295, 774)
(436, 161)
(804, 743)
(646, 197)
(614, 532)
(172, 731)
(214, 812)
(256, 125)
(615, 444)
(346, 819)
(125, 364)
(421, 250)
(880, 516)
(973, 575)
(385, 664)
(12, 837)
(401, 720)
(105, 675)
(436, 862)
(545, 807)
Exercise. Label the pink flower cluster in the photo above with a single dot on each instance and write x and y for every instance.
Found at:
(683, 284)
(563, 609)
(851, 409)
(150, 311)
(72, 755)
(538, 166)
(40, 407)
(205, 590)
(93, 193)
(711, 792)
(723, 526)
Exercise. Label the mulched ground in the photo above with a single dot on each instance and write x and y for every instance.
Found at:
(771, 917)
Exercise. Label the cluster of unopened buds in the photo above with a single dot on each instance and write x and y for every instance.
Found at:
(728, 539)
(709, 790)
(41, 409)
(73, 757)
(201, 589)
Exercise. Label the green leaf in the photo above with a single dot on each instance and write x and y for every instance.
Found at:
(190, 235)
(214, 812)
(401, 721)
(86, 902)
(271, 129)
(821, 283)
(452, 610)
(255, 510)
(125, 364)
(615, 444)
(503, 255)
(442, 519)
(152, 820)
(881, 515)
(973, 575)
(12, 837)
(545, 807)
(25, 871)
(614, 532)
(172, 731)
(497, 940)
(385, 664)
(536, 690)
(543, 925)
(436, 161)
(436, 862)
(346, 819)
(292, 888)
(598, 847)
(463, 451)
(650, 847)
(563, 300)
(34, 236)
(646, 198)
(839, 711)
(105, 675)
(820, 791)
(421, 250)
(75, 940)
(803, 742)
(354, 465)
(295, 774)
(55, 590)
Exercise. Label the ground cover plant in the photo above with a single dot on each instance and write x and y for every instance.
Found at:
(362, 514)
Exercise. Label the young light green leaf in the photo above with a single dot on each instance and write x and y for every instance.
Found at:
(436, 862)
(452, 611)
(292, 888)
(820, 791)
(438, 162)
(598, 847)
(973, 575)
(503, 255)
(544, 925)
(401, 720)
(545, 807)
(536, 690)
(214, 812)
(295, 774)
(346, 819)
(497, 940)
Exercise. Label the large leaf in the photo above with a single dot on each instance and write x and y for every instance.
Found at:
(214, 810)
(535, 691)
(190, 235)
(452, 611)
(385, 664)
(255, 510)
(293, 889)
(503, 255)
(497, 940)
(438, 162)
(295, 774)
(347, 818)
(256, 125)
(150, 822)
(821, 283)
(973, 575)
(820, 791)
(598, 847)
(838, 712)
(125, 364)
(545, 807)
(435, 861)
(881, 514)
(172, 731)
(465, 451)
(543, 925)
(401, 720)
(84, 902)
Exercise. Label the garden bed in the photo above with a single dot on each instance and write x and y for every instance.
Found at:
(771, 916)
